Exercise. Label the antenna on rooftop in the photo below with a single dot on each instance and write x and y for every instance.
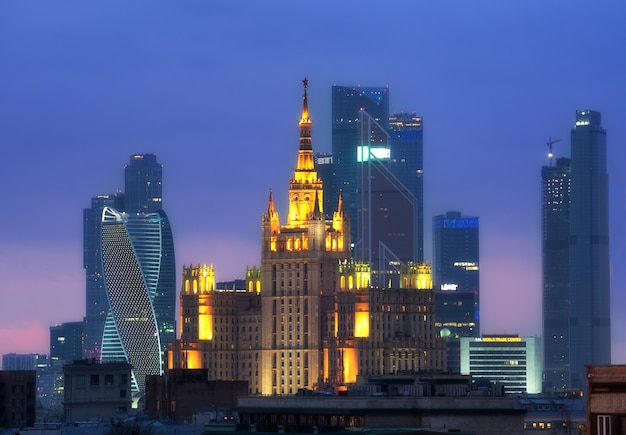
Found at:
(550, 143)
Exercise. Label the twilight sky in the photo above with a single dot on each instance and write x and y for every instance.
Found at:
(214, 88)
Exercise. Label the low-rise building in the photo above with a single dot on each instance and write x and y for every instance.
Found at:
(606, 399)
(18, 394)
(96, 390)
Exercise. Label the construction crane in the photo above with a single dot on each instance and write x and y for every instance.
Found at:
(550, 143)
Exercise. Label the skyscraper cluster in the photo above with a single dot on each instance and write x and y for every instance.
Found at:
(576, 288)
(131, 273)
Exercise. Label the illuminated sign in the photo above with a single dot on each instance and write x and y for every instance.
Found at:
(449, 287)
(500, 339)
(364, 153)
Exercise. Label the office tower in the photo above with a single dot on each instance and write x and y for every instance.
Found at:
(143, 184)
(387, 209)
(407, 163)
(555, 244)
(347, 102)
(66, 342)
(138, 264)
(455, 269)
(96, 301)
(590, 332)
(136, 236)
(23, 361)
(456, 280)
(513, 361)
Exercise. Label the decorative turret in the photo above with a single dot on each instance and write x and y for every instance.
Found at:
(417, 276)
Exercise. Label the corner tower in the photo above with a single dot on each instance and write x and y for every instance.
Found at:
(299, 262)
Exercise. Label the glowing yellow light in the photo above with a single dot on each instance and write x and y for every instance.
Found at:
(350, 365)
(362, 324)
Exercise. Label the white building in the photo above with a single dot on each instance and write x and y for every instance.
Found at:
(513, 361)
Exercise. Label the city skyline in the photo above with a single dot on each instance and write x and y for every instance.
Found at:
(490, 89)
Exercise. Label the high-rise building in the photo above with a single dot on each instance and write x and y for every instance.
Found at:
(143, 186)
(139, 273)
(513, 361)
(407, 163)
(309, 318)
(66, 341)
(347, 102)
(456, 270)
(456, 280)
(387, 209)
(555, 244)
(96, 301)
(130, 266)
(590, 333)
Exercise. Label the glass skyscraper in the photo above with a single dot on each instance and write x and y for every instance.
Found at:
(131, 273)
(555, 244)
(590, 333)
(576, 288)
(407, 163)
(347, 102)
(387, 209)
(456, 280)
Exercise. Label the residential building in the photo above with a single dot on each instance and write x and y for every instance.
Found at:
(589, 282)
(18, 398)
(606, 410)
(513, 361)
(308, 318)
(95, 390)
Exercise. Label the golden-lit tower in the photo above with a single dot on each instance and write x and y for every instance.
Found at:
(305, 188)
(299, 263)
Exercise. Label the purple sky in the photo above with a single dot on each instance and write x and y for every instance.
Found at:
(214, 88)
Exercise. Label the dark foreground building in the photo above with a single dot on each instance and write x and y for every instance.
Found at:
(18, 393)
(181, 393)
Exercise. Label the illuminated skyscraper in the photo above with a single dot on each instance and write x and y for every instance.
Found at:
(66, 341)
(138, 265)
(590, 322)
(347, 102)
(97, 303)
(141, 247)
(456, 280)
(555, 231)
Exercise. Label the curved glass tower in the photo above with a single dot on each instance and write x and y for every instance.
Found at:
(139, 273)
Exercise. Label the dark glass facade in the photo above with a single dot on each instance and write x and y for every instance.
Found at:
(143, 184)
(386, 234)
(66, 341)
(149, 232)
(590, 324)
(347, 102)
(407, 163)
(96, 302)
(456, 279)
(556, 182)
